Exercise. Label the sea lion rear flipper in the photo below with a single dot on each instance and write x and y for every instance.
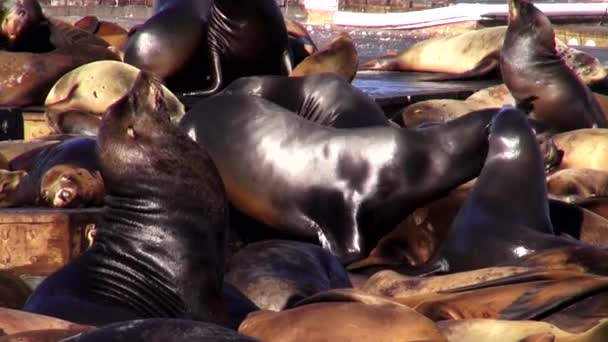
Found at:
(484, 67)
(89, 23)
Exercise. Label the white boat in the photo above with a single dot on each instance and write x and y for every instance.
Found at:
(453, 14)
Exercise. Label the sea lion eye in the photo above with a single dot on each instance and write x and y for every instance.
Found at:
(131, 132)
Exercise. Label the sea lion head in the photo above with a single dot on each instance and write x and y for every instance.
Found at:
(524, 16)
(18, 17)
(133, 130)
(68, 186)
(9, 182)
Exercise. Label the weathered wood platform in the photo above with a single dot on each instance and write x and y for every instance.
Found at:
(38, 241)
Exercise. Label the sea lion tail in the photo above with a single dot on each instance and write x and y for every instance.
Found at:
(382, 63)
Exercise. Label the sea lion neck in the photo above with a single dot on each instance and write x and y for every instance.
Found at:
(515, 159)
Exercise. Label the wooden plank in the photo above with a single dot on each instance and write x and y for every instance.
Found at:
(38, 241)
(35, 125)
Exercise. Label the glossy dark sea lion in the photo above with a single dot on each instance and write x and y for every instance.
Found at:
(172, 44)
(339, 57)
(488, 233)
(159, 246)
(160, 330)
(324, 98)
(245, 39)
(20, 18)
(539, 79)
(346, 187)
(60, 175)
(275, 274)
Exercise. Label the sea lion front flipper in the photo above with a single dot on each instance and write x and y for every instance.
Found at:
(483, 68)
(287, 64)
(216, 79)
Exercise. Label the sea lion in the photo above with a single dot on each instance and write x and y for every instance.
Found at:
(503, 234)
(598, 205)
(28, 77)
(474, 54)
(155, 254)
(59, 175)
(16, 321)
(364, 181)
(301, 44)
(572, 185)
(583, 149)
(78, 99)
(323, 98)
(9, 183)
(172, 44)
(112, 33)
(245, 39)
(582, 315)
(13, 291)
(470, 54)
(527, 299)
(157, 330)
(274, 274)
(573, 257)
(339, 57)
(538, 78)
(45, 335)
(341, 321)
(510, 331)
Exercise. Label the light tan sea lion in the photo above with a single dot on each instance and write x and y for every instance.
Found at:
(341, 321)
(468, 330)
(339, 57)
(16, 321)
(583, 149)
(77, 101)
(573, 185)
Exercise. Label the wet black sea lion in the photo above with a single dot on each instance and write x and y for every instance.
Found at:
(486, 232)
(539, 79)
(275, 274)
(324, 98)
(159, 246)
(346, 187)
(245, 39)
(172, 44)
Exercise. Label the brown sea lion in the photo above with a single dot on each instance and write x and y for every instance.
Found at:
(13, 291)
(583, 149)
(538, 78)
(59, 175)
(339, 57)
(78, 99)
(45, 335)
(67, 186)
(581, 258)
(9, 184)
(16, 321)
(341, 321)
(155, 254)
(157, 330)
(28, 77)
(274, 274)
(532, 299)
(573, 185)
(516, 331)
(112, 33)
(300, 42)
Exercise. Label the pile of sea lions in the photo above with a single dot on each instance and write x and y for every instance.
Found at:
(283, 205)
